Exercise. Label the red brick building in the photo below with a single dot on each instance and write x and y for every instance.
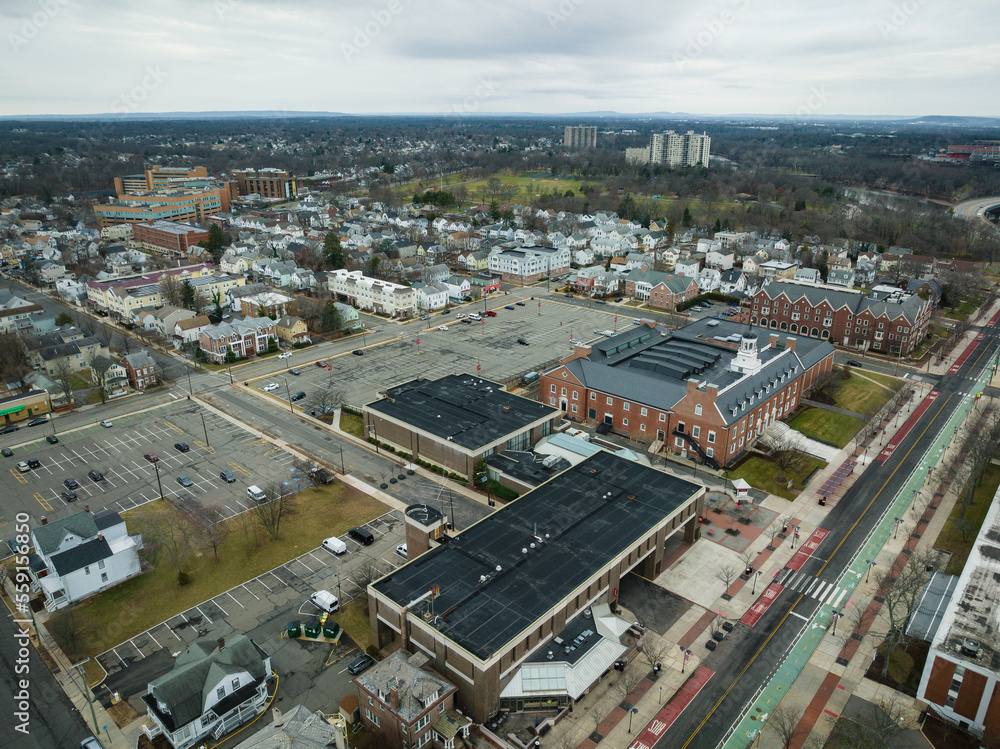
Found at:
(892, 324)
(141, 370)
(660, 290)
(168, 237)
(245, 338)
(708, 389)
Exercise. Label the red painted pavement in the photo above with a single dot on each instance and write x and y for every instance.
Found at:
(816, 707)
(672, 710)
(806, 550)
(905, 429)
(965, 354)
(767, 597)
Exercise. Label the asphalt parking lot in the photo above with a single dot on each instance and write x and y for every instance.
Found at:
(490, 344)
(262, 608)
(129, 479)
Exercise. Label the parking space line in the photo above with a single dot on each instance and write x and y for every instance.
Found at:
(150, 633)
(261, 581)
(204, 615)
(224, 612)
(299, 560)
(271, 572)
(43, 502)
(115, 651)
(240, 469)
(244, 586)
(207, 448)
(234, 599)
(176, 429)
(321, 561)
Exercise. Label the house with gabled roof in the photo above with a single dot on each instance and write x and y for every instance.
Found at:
(81, 555)
(213, 689)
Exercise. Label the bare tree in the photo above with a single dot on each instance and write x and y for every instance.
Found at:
(727, 574)
(784, 452)
(99, 365)
(877, 725)
(329, 397)
(247, 522)
(63, 376)
(72, 632)
(306, 470)
(213, 528)
(784, 721)
(172, 535)
(273, 510)
(653, 649)
(627, 681)
(772, 531)
(366, 573)
(15, 362)
(170, 289)
(747, 556)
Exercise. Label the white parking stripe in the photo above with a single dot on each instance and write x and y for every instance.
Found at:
(204, 614)
(244, 586)
(113, 650)
(149, 632)
(224, 612)
(237, 602)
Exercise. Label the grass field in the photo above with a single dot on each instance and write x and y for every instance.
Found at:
(527, 187)
(958, 539)
(353, 618)
(142, 602)
(826, 426)
(762, 474)
(352, 424)
(888, 380)
(859, 395)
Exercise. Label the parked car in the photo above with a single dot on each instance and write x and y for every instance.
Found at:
(270, 387)
(325, 600)
(853, 363)
(401, 550)
(425, 317)
(523, 341)
(294, 372)
(6, 452)
(69, 496)
(442, 327)
(52, 439)
(23, 467)
(576, 341)
(490, 313)
(227, 476)
(508, 306)
(95, 475)
(71, 484)
(446, 311)
(320, 364)
(106, 423)
(335, 545)
(182, 446)
(38, 422)
(184, 481)
(9, 429)
(358, 352)
(475, 316)
(619, 298)
(90, 742)
(360, 664)
(519, 304)
(285, 355)
(299, 395)
(150, 457)
(34, 463)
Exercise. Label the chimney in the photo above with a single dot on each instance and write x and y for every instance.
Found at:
(45, 520)
(773, 339)
(692, 385)
(713, 391)
(222, 643)
(100, 536)
(790, 343)
(394, 699)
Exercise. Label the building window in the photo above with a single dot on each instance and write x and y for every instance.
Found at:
(574, 408)
(575, 395)
(563, 392)
(626, 406)
(372, 717)
(663, 417)
(422, 722)
(552, 388)
(696, 431)
(552, 400)
(710, 451)
(86, 570)
(220, 693)
(593, 396)
(697, 410)
(610, 400)
(624, 422)
(711, 436)
(678, 442)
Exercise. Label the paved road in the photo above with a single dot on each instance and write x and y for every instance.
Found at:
(976, 207)
(53, 721)
(746, 659)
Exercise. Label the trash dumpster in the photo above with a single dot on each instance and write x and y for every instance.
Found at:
(294, 630)
(312, 629)
(330, 629)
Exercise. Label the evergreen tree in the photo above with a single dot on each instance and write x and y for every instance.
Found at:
(332, 251)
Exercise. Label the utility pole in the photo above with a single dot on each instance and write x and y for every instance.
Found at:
(206, 429)
(156, 465)
(343, 471)
(86, 693)
(288, 395)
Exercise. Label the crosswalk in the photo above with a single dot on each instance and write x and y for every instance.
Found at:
(819, 590)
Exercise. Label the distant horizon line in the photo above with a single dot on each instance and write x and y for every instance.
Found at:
(595, 114)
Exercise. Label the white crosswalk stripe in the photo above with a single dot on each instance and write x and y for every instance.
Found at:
(813, 587)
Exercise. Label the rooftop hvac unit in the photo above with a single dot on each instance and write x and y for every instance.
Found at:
(550, 461)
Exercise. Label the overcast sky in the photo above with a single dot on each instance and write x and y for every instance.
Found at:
(861, 57)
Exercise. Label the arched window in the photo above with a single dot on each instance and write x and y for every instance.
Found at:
(794, 327)
(774, 323)
(784, 326)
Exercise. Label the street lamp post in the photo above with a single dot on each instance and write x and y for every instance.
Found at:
(836, 616)
(156, 465)
(288, 395)
(205, 428)
(868, 574)
(895, 528)
(753, 588)
(631, 712)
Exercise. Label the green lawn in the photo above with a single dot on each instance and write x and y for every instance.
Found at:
(827, 426)
(859, 395)
(952, 538)
(888, 380)
(352, 424)
(138, 604)
(762, 474)
(353, 617)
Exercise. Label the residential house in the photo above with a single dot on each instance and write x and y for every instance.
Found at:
(376, 295)
(292, 330)
(929, 289)
(720, 258)
(660, 290)
(141, 370)
(431, 296)
(268, 303)
(690, 267)
(407, 703)
(303, 279)
(164, 319)
(777, 270)
(528, 265)
(82, 554)
(189, 330)
(709, 280)
(114, 376)
(349, 317)
(841, 276)
(212, 689)
(299, 728)
(807, 275)
(51, 272)
(244, 338)
(732, 282)
(458, 288)
(54, 350)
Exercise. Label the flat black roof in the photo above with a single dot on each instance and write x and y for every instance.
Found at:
(494, 585)
(466, 410)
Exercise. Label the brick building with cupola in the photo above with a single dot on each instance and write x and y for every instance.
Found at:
(706, 390)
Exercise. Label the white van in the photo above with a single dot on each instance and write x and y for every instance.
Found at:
(474, 316)
(256, 494)
(325, 600)
(335, 545)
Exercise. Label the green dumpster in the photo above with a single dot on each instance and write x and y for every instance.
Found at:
(312, 629)
(330, 629)
(294, 630)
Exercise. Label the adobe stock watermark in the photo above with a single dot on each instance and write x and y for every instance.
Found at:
(817, 99)
(563, 11)
(32, 25)
(901, 14)
(372, 29)
(130, 100)
(712, 29)
(21, 685)
(471, 103)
